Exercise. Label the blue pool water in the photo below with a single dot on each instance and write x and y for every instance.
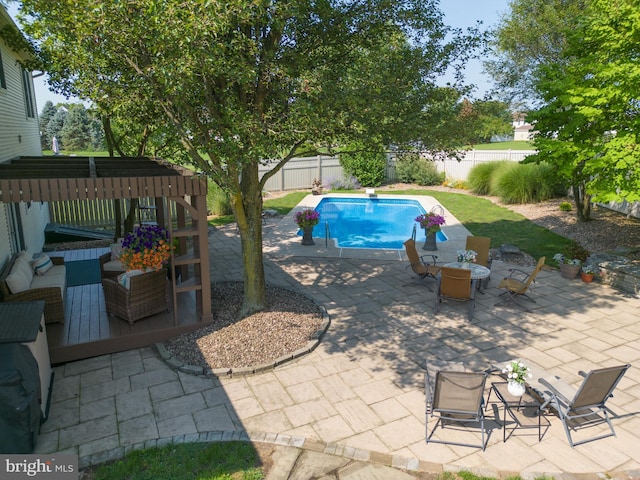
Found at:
(370, 222)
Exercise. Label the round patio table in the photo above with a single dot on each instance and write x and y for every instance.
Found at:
(478, 272)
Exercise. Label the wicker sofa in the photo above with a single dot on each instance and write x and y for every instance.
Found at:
(50, 287)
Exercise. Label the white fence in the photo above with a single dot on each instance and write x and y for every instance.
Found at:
(298, 173)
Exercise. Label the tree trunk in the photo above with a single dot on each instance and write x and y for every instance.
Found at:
(247, 206)
(583, 202)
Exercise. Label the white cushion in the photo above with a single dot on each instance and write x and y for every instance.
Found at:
(25, 255)
(42, 265)
(23, 266)
(124, 279)
(116, 249)
(56, 277)
(113, 266)
(16, 281)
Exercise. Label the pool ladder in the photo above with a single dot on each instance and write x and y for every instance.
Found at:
(327, 234)
(414, 232)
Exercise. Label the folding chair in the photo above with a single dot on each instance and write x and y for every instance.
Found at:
(419, 265)
(519, 287)
(581, 408)
(455, 397)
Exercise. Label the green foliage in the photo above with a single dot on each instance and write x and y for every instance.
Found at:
(588, 125)
(523, 183)
(411, 167)
(218, 202)
(345, 183)
(480, 177)
(213, 461)
(484, 119)
(48, 111)
(365, 164)
(76, 134)
(566, 206)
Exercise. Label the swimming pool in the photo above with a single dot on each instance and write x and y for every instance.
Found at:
(383, 223)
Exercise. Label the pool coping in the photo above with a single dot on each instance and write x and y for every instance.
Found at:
(281, 238)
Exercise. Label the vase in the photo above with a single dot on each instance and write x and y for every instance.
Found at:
(516, 389)
(465, 265)
(307, 236)
(430, 241)
(569, 271)
(587, 277)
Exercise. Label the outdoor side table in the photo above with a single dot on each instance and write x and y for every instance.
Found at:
(520, 409)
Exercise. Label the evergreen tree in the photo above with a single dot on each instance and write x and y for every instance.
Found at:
(45, 117)
(76, 134)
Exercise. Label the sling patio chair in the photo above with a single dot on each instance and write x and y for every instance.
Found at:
(455, 284)
(515, 287)
(418, 264)
(456, 398)
(482, 246)
(584, 407)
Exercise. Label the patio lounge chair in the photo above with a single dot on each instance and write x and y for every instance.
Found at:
(455, 397)
(519, 287)
(455, 284)
(417, 263)
(583, 407)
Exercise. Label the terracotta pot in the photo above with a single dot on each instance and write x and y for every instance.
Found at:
(586, 277)
(569, 271)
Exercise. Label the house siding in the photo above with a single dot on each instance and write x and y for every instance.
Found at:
(19, 136)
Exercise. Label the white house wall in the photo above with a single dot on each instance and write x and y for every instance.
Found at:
(19, 136)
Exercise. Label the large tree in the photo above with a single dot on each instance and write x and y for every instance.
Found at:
(590, 123)
(246, 82)
(532, 33)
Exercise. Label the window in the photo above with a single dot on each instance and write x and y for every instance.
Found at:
(29, 97)
(3, 82)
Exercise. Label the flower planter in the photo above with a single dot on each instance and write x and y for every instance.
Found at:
(516, 389)
(569, 272)
(307, 236)
(587, 277)
(430, 242)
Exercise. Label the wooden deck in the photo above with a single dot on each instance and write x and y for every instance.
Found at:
(88, 331)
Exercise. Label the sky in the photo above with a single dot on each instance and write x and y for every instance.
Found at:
(458, 13)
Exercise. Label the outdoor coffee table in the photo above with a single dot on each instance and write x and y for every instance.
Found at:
(520, 409)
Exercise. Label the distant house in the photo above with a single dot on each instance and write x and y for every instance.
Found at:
(21, 225)
(521, 129)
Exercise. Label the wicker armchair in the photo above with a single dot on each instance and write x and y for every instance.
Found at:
(105, 272)
(147, 295)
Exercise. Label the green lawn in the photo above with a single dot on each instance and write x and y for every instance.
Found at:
(513, 145)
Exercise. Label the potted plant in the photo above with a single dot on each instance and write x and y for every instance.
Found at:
(587, 273)
(571, 259)
(432, 223)
(517, 374)
(147, 248)
(306, 220)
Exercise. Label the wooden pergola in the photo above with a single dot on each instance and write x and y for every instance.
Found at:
(45, 179)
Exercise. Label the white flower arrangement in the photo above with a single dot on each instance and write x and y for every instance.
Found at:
(560, 258)
(517, 371)
(467, 255)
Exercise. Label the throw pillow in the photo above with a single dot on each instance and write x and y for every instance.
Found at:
(17, 282)
(124, 279)
(42, 265)
(116, 249)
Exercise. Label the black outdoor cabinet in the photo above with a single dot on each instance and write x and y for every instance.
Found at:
(24, 384)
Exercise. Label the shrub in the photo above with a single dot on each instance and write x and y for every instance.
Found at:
(575, 250)
(566, 207)
(480, 176)
(347, 183)
(412, 168)
(368, 166)
(523, 183)
(218, 202)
